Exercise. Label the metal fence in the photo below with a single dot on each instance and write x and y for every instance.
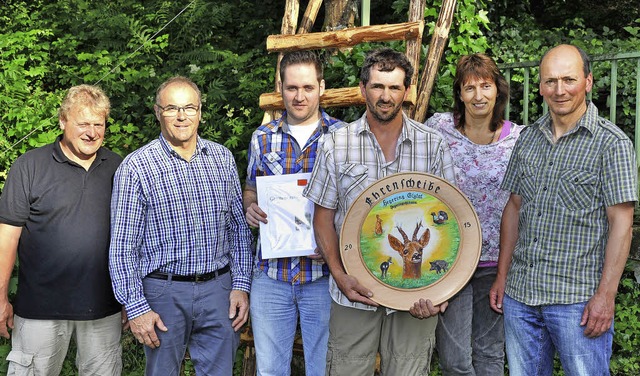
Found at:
(530, 70)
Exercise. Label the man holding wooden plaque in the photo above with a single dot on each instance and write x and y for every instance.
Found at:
(382, 142)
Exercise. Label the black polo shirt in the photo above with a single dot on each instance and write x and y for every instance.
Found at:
(64, 246)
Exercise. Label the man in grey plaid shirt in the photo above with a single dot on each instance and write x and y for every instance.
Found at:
(566, 229)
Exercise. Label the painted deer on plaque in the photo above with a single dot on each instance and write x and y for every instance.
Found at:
(410, 251)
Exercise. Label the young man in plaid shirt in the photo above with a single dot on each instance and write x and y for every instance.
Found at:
(284, 289)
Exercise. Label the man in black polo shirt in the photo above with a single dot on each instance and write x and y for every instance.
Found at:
(54, 209)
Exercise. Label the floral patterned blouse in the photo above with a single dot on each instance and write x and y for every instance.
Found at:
(479, 170)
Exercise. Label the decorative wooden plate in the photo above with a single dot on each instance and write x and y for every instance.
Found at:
(410, 236)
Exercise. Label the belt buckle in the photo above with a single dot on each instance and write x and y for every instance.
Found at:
(198, 278)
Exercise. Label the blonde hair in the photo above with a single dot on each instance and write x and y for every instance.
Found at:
(87, 96)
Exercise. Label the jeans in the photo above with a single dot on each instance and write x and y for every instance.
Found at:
(275, 307)
(470, 335)
(534, 333)
(196, 315)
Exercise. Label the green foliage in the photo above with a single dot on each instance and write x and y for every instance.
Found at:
(46, 47)
(510, 45)
(124, 46)
(626, 339)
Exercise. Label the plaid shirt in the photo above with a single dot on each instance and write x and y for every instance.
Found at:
(565, 189)
(351, 160)
(274, 151)
(176, 216)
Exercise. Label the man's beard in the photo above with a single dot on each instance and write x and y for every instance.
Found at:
(384, 118)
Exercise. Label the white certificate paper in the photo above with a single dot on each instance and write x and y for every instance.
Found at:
(289, 231)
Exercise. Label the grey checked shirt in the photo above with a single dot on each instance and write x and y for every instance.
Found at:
(351, 159)
(565, 189)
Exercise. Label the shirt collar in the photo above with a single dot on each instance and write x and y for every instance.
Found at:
(281, 124)
(59, 156)
(363, 126)
(587, 121)
(166, 147)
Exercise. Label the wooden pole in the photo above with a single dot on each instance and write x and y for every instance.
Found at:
(436, 49)
(341, 97)
(309, 17)
(416, 13)
(344, 38)
(289, 24)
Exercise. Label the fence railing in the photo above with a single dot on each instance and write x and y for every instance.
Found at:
(530, 69)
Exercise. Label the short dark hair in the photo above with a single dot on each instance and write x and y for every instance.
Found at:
(479, 66)
(301, 57)
(385, 60)
(586, 61)
(178, 80)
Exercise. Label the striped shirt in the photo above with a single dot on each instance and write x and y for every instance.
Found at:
(274, 151)
(351, 159)
(176, 216)
(565, 189)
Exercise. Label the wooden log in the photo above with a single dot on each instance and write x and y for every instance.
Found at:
(416, 13)
(342, 97)
(344, 38)
(436, 48)
(289, 24)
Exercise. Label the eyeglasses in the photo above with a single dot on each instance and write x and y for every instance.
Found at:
(171, 111)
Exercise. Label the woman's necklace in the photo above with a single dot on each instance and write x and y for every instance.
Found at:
(493, 135)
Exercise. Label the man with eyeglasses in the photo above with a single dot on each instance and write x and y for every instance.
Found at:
(180, 256)
(54, 216)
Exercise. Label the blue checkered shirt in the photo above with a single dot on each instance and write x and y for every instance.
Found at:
(566, 188)
(274, 151)
(176, 216)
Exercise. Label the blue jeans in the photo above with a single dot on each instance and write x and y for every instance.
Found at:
(197, 316)
(534, 333)
(470, 335)
(275, 307)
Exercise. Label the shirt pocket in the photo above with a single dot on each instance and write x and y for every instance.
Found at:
(528, 174)
(273, 162)
(352, 180)
(577, 189)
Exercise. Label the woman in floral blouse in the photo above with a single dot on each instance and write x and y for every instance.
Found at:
(470, 336)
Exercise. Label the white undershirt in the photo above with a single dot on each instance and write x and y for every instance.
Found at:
(302, 132)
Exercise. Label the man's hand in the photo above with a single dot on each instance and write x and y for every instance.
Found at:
(6, 318)
(496, 294)
(238, 308)
(353, 290)
(425, 308)
(255, 215)
(598, 315)
(143, 328)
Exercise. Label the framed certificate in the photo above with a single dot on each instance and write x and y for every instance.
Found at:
(410, 236)
(289, 231)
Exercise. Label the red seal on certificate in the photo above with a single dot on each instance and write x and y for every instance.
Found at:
(410, 236)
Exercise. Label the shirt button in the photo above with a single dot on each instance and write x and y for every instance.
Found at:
(531, 265)
(550, 163)
(539, 214)
(544, 189)
(535, 240)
